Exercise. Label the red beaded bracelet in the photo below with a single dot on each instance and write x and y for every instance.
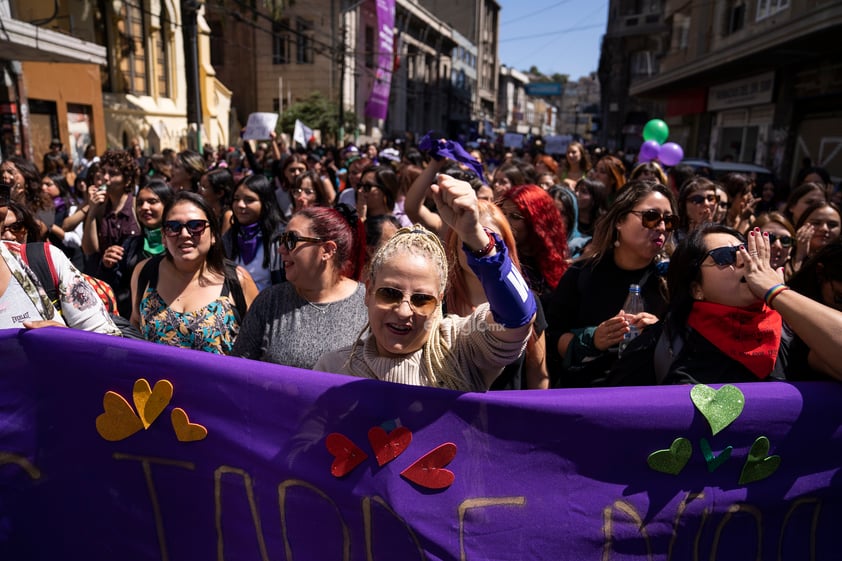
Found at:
(487, 249)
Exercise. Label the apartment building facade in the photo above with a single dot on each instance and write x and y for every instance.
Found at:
(754, 80)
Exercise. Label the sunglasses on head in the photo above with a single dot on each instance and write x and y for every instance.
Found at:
(173, 228)
(651, 218)
(724, 256)
(290, 239)
(387, 297)
(699, 199)
(786, 241)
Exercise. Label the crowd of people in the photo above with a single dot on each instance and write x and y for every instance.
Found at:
(432, 265)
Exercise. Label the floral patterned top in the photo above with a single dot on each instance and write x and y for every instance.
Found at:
(212, 328)
(81, 307)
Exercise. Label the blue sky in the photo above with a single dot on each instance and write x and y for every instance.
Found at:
(561, 36)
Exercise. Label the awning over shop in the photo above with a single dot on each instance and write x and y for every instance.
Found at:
(23, 41)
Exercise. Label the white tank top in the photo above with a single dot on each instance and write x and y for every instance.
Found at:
(16, 307)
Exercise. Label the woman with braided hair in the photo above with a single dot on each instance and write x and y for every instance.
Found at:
(407, 339)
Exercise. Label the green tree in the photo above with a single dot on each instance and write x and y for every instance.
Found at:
(317, 112)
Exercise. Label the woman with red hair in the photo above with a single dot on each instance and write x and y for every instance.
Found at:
(465, 293)
(540, 235)
(612, 173)
(322, 306)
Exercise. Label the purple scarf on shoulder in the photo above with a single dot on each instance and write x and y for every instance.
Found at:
(248, 240)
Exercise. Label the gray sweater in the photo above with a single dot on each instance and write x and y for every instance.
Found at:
(283, 328)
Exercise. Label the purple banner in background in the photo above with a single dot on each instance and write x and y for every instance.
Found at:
(303, 465)
(377, 106)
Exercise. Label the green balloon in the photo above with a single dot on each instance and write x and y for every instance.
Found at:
(656, 130)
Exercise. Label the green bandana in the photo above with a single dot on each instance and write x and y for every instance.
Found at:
(152, 242)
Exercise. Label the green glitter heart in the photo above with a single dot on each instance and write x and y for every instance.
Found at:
(720, 407)
(671, 461)
(758, 465)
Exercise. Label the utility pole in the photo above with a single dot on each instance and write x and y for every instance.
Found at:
(190, 32)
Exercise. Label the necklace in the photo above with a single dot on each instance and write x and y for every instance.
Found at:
(320, 307)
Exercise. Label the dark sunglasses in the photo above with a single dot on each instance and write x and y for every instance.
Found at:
(651, 218)
(15, 227)
(724, 205)
(387, 297)
(366, 187)
(290, 239)
(786, 241)
(173, 228)
(699, 199)
(724, 256)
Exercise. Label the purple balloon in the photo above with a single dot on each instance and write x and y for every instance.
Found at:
(670, 154)
(648, 151)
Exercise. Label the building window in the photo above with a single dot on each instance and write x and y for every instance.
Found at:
(162, 56)
(304, 41)
(280, 42)
(217, 43)
(132, 31)
(736, 17)
(766, 8)
(680, 31)
(369, 47)
(641, 64)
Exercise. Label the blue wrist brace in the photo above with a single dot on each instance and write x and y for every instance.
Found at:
(509, 297)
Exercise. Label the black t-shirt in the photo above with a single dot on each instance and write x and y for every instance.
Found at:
(586, 296)
(512, 377)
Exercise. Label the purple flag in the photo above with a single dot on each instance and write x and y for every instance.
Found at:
(240, 460)
(377, 106)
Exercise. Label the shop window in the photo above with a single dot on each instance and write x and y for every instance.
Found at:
(738, 144)
(43, 126)
(131, 31)
(80, 129)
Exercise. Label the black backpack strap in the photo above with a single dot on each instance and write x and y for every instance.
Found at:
(668, 347)
(37, 258)
(235, 289)
(148, 275)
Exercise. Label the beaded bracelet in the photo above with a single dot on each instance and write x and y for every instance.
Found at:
(479, 253)
(773, 293)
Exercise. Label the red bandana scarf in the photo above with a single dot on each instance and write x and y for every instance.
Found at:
(750, 336)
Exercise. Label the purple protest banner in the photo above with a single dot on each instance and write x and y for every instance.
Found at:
(561, 474)
(377, 106)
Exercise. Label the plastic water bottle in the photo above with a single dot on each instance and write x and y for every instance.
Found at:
(633, 305)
